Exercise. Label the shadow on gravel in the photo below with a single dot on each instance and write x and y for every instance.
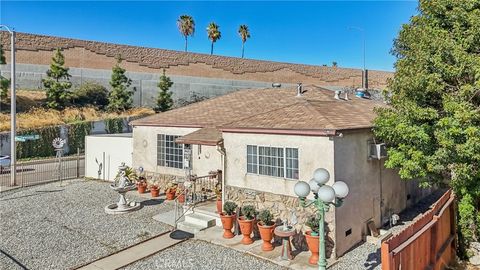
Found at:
(152, 202)
(373, 260)
(13, 259)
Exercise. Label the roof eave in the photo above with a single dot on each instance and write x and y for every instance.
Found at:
(301, 132)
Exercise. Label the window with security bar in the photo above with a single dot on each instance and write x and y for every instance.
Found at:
(169, 153)
(273, 161)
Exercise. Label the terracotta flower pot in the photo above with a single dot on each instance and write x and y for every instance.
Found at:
(266, 233)
(227, 222)
(312, 242)
(142, 188)
(155, 192)
(219, 206)
(181, 198)
(170, 195)
(246, 226)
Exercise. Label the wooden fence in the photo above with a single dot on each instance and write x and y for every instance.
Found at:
(428, 243)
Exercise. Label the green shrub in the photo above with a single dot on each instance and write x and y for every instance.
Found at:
(230, 208)
(249, 212)
(265, 217)
(313, 222)
(91, 93)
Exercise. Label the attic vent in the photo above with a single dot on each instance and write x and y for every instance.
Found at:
(377, 150)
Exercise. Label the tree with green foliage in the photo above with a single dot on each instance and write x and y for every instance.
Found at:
(4, 82)
(244, 34)
(432, 126)
(57, 83)
(120, 97)
(186, 26)
(214, 34)
(164, 99)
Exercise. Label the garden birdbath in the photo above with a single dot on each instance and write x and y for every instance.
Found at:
(285, 232)
(122, 185)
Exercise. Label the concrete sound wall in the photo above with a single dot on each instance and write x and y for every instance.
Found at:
(29, 76)
(91, 55)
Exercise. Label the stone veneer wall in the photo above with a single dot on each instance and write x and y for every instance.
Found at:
(281, 207)
(37, 49)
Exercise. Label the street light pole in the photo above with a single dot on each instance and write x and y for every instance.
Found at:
(362, 31)
(13, 110)
(324, 195)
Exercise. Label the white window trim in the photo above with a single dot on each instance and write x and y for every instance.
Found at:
(165, 153)
(284, 163)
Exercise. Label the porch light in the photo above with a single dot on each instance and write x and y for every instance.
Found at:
(313, 185)
(341, 189)
(301, 189)
(321, 176)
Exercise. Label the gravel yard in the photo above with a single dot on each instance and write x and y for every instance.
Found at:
(61, 227)
(196, 254)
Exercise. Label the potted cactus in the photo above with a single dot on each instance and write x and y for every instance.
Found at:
(246, 223)
(154, 190)
(227, 217)
(141, 185)
(312, 238)
(266, 227)
(171, 190)
(180, 194)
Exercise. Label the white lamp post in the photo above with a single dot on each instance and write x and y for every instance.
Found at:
(13, 110)
(324, 197)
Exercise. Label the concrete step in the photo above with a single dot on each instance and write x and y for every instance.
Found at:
(168, 217)
(200, 219)
(218, 221)
(190, 227)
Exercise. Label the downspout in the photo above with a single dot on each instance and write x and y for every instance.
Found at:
(221, 150)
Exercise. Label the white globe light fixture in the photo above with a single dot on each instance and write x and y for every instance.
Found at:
(313, 185)
(326, 194)
(321, 176)
(341, 189)
(324, 197)
(301, 189)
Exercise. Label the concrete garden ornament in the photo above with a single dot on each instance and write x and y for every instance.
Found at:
(122, 185)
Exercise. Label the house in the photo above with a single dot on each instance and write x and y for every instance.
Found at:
(265, 140)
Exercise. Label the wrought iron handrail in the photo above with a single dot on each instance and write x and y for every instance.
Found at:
(194, 201)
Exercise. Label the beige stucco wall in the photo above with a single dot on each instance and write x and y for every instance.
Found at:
(313, 152)
(145, 152)
(375, 192)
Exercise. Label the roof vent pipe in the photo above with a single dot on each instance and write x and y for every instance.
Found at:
(299, 90)
(337, 94)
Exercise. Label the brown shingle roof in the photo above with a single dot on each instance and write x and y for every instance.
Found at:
(271, 111)
(203, 136)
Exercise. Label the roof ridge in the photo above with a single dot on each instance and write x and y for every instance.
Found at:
(253, 115)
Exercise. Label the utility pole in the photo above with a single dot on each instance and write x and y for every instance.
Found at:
(13, 110)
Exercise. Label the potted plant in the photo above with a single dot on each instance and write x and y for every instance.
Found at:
(154, 190)
(218, 193)
(141, 185)
(266, 227)
(227, 218)
(312, 238)
(180, 194)
(246, 223)
(170, 191)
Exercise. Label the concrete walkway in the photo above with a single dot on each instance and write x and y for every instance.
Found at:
(133, 254)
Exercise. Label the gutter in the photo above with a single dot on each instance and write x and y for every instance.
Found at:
(221, 150)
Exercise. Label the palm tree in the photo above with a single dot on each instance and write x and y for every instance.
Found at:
(213, 34)
(244, 34)
(186, 26)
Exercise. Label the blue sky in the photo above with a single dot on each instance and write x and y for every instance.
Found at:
(299, 32)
